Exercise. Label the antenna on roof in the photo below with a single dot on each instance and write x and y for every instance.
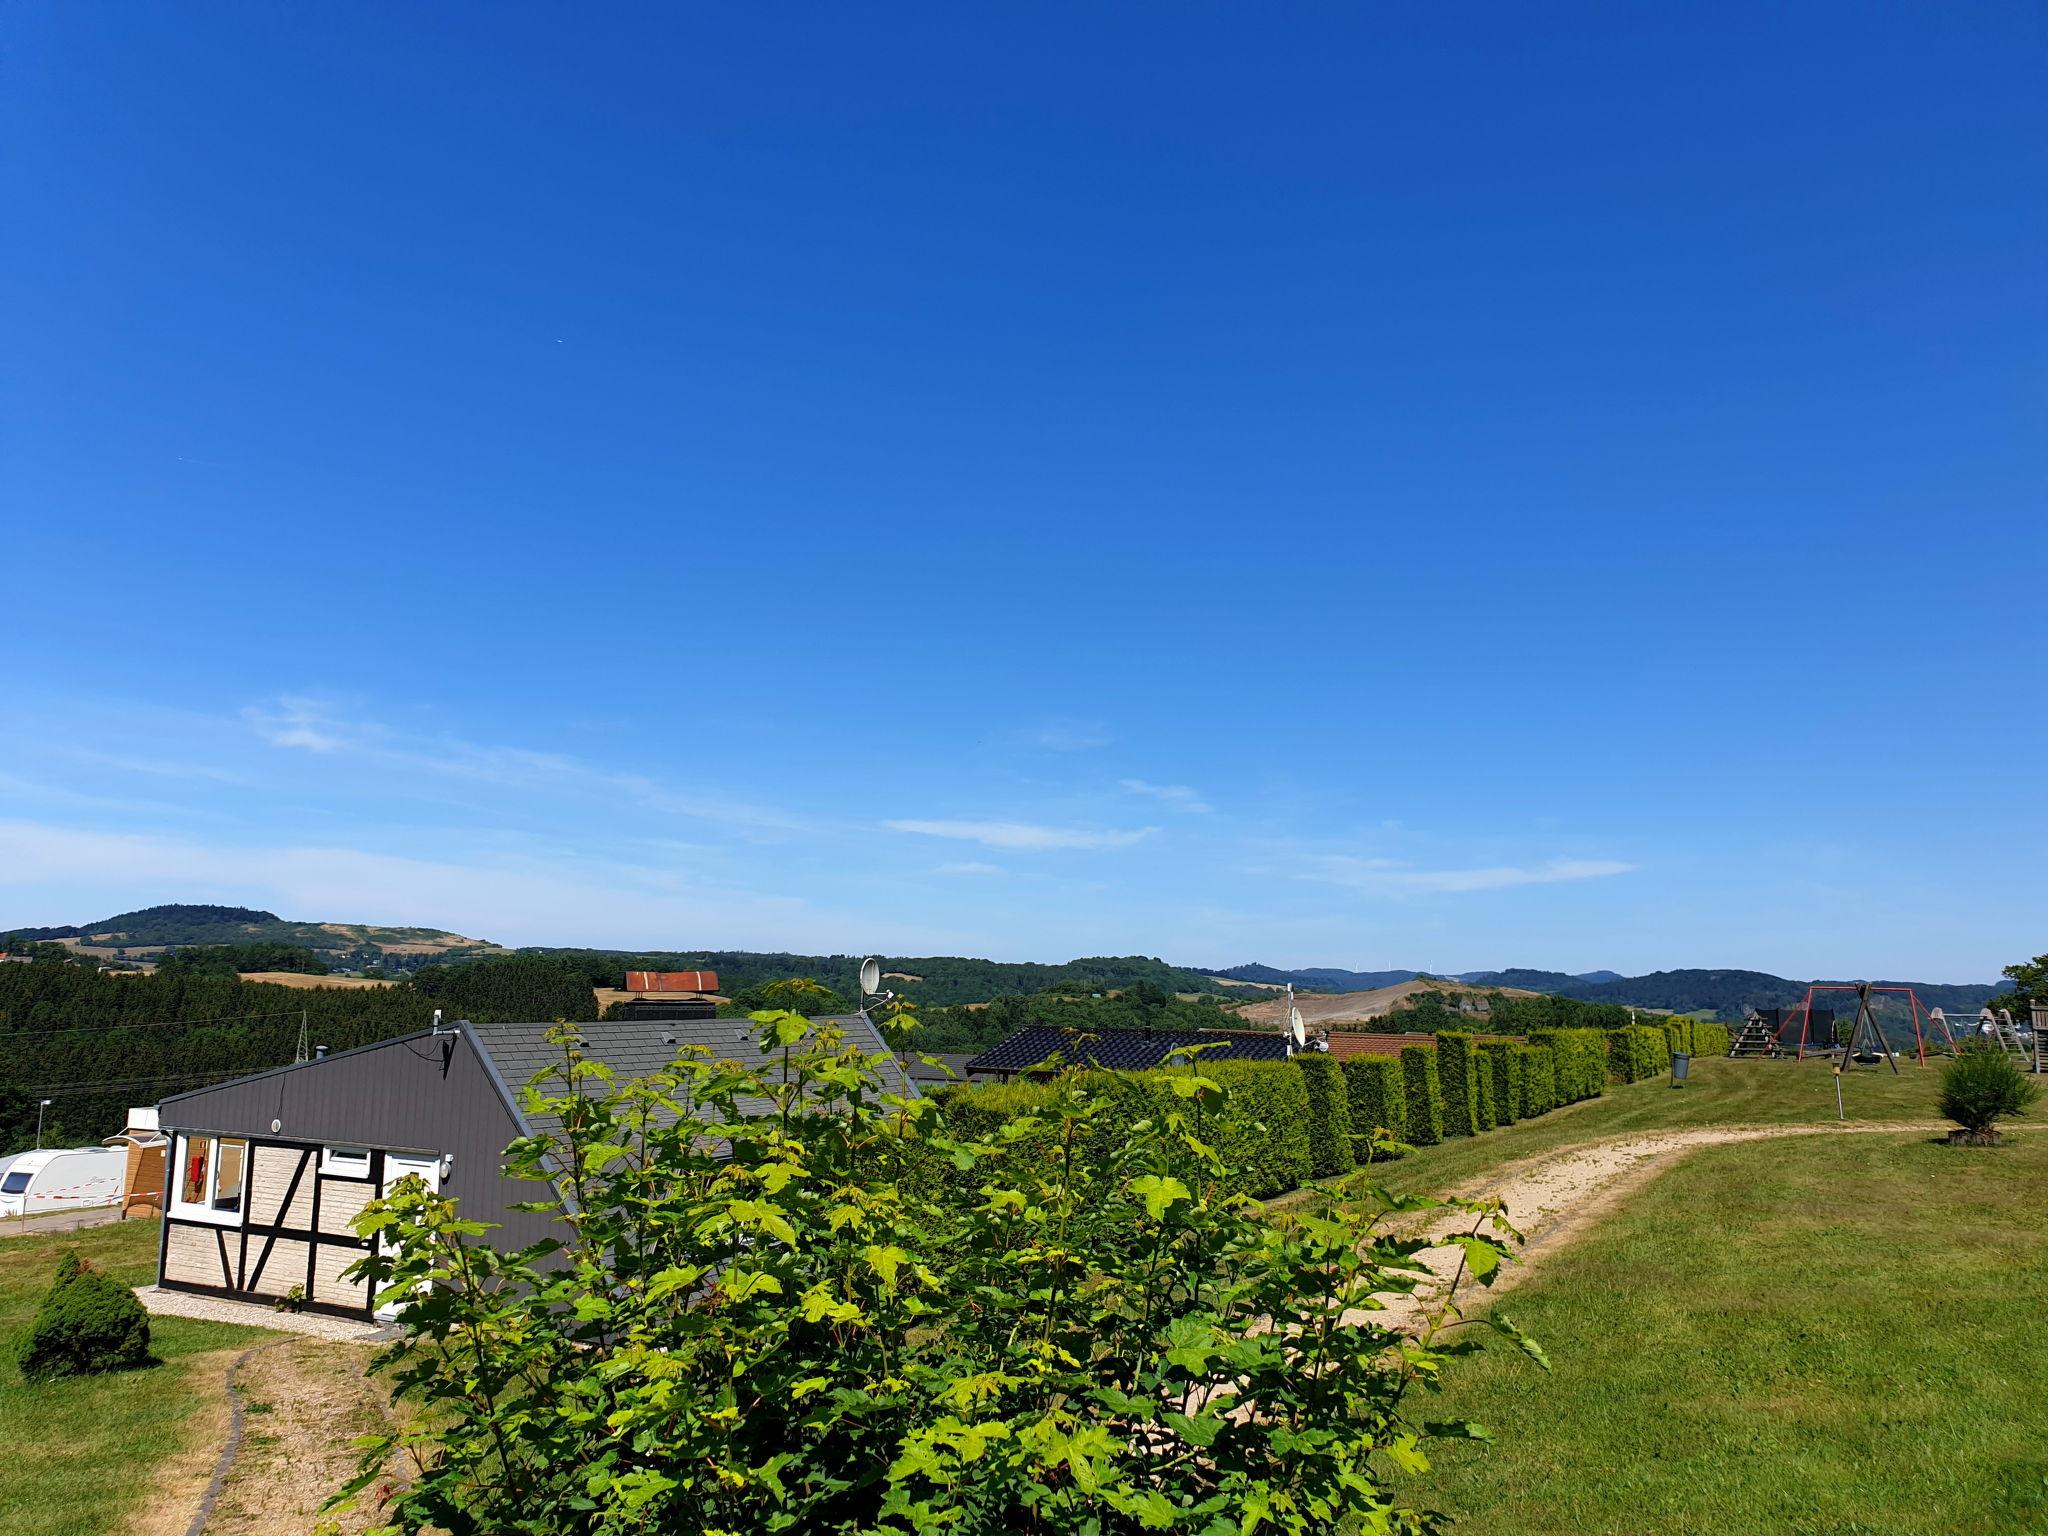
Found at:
(1292, 1027)
(870, 978)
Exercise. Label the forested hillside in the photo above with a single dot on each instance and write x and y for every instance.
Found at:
(1140, 1006)
(96, 1042)
(930, 980)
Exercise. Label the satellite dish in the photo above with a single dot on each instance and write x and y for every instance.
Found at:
(1294, 1029)
(870, 977)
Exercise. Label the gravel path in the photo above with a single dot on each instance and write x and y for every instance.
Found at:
(218, 1309)
(1553, 1198)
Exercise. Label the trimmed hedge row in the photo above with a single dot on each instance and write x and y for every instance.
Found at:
(1329, 1114)
(1580, 1062)
(1506, 1081)
(1638, 1051)
(1283, 1123)
(1538, 1081)
(1459, 1078)
(1423, 1112)
(1379, 1096)
(1261, 1131)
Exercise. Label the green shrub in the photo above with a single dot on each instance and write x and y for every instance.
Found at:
(1482, 1063)
(1506, 1080)
(1329, 1114)
(1063, 1345)
(87, 1323)
(1539, 1079)
(1378, 1098)
(1459, 1080)
(1423, 1102)
(1709, 1038)
(1981, 1087)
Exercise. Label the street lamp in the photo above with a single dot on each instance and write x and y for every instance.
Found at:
(39, 1123)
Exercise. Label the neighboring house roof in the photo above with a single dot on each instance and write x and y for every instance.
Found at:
(951, 1068)
(639, 1047)
(1123, 1050)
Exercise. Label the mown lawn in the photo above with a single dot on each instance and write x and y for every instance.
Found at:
(1721, 1092)
(81, 1453)
(1799, 1336)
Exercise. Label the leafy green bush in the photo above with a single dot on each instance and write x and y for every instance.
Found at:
(87, 1323)
(1539, 1079)
(1378, 1098)
(1423, 1101)
(1981, 1087)
(748, 1326)
(1459, 1080)
(1482, 1063)
(1329, 1114)
(1506, 1080)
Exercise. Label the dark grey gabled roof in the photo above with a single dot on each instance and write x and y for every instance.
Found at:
(638, 1047)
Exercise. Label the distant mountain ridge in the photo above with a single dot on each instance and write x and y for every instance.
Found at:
(178, 924)
(1726, 992)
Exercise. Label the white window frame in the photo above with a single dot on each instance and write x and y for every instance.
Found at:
(345, 1162)
(203, 1210)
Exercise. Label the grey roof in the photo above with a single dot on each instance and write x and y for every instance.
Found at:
(639, 1047)
(951, 1068)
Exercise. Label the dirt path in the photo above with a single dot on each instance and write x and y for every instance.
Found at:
(1553, 1198)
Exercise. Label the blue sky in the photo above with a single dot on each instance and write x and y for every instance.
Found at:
(1323, 484)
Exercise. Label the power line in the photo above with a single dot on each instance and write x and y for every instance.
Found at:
(124, 1083)
(101, 1029)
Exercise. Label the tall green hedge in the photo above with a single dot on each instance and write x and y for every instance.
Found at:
(1329, 1113)
(1709, 1038)
(1638, 1051)
(1482, 1063)
(1506, 1080)
(1379, 1098)
(1459, 1079)
(1261, 1129)
(1425, 1095)
(1539, 1079)
(1581, 1061)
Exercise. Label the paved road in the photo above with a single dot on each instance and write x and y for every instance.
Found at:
(59, 1221)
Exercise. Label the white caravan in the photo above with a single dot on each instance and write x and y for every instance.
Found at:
(62, 1179)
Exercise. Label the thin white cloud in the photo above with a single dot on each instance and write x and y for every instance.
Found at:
(296, 724)
(307, 724)
(968, 867)
(1021, 835)
(1390, 876)
(1177, 797)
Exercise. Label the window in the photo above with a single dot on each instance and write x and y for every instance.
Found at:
(211, 1173)
(227, 1177)
(15, 1182)
(345, 1162)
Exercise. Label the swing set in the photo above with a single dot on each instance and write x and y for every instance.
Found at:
(1866, 1018)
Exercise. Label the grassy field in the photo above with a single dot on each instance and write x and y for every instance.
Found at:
(1791, 1337)
(1722, 1092)
(81, 1453)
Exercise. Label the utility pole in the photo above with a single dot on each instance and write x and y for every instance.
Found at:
(301, 1055)
(39, 1123)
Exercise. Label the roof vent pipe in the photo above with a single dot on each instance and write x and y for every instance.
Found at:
(319, 1053)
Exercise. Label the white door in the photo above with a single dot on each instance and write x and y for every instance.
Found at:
(396, 1166)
